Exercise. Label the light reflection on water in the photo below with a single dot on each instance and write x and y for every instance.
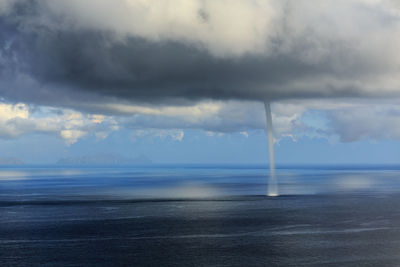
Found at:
(187, 181)
(7, 175)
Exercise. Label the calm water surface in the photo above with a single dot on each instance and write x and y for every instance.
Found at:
(199, 216)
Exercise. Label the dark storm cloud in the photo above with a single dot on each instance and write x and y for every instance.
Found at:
(48, 58)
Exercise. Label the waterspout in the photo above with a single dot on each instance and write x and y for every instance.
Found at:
(272, 183)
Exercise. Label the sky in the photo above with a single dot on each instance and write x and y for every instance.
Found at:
(184, 81)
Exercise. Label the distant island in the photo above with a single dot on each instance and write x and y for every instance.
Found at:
(10, 161)
(104, 159)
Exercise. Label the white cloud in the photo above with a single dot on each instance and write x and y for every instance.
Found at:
(174, 134)
(211, 24)
(349, 120)
(17, 120)
(8, 112)
(178, 136)
(72, 136)
(96, 118)
(214, 117)
(245, 134)
(375, 122)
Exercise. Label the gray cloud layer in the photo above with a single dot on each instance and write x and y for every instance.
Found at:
(73, 52)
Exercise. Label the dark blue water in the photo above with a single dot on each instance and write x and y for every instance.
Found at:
(199, 216)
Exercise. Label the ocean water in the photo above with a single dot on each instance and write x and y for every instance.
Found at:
(192, 215)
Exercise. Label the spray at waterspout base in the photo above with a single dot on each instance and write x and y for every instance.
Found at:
(272, 183)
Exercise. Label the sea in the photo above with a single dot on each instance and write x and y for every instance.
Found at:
(199, 215)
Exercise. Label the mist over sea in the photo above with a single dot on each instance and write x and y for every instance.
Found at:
(198, 215)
